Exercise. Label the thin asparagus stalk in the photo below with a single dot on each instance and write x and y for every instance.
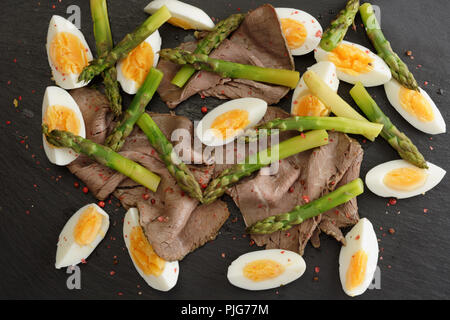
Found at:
(285, 149)
(104, 156)
(104, 42)
(399, 69)
(312, 209)
(226, 69)
(398, 140)
(314, 123)
(331, 99)
(339, 26)
(176, 167)
(212, 40)
(125, 46)
(137, 107)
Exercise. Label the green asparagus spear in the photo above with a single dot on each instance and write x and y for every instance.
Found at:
(104, 156)
(398, 140)
(220, 32)
(185, 179)
(312, 209)
(104, 42)
(125, 46)
(226, 69)
(399, 70)
(338, 27)
(314, 123)
(137, 107)
(287, 148)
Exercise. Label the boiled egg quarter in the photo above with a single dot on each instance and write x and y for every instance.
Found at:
(184, 15)
(266, 269)
(81, 235)
(304, 103)
(301, 30)
(229, 120)
(60, 111)
(416, 107)
(356, 63)
(358, 258)
(133, 69)
(400, 179)
(159, 274)
(68, 52)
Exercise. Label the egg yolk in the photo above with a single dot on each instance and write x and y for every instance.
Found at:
(177, 22)
(416, 104)
(138, 63)
(144, 255)
(294, 32)
(260, 270)
(357, 270)
(62, 118)
(68, 54)
(229, 122)
(88, 226)
(351, 60)
(405, 179)
(310, 105)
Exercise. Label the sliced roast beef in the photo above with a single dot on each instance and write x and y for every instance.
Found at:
(258, 41)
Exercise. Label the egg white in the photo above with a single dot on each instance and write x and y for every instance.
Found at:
(326, 71)
(169, 277)
(57, 96)
(255, 107)
(374, 179)
(197, 18)
(312, 26)
(436, 126)
(293, 263)
(380, 74)
(129, 85)
(69, 252)
(59, 24)
(368, 242)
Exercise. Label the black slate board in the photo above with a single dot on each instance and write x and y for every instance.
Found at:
(37, 198)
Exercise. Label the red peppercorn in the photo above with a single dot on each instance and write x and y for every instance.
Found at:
(204, 109)
(146, 196)
(85, 189)
(153, 201)
(392, 201)
(101, 204)
(76, 184)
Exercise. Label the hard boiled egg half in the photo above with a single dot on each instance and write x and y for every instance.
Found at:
(301, 30)
(229, 120)
(159, 274)
(416, 107)
(68, 52)
(356, 63)
(61, 112)
(81, 235)
(304, 103)
(358, 258)
(184, 15)
(133, 69)
(401, 179)
(266, 269)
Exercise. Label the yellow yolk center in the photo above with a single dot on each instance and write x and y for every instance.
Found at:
(405, 179)
(177, 22)
(144, 255)
(68, 54)
(357, 270)
(261, 270)
(294, 32)
(62, 118)
(350, 59)
(416, 104)
(310, 105)
(138, 63)
(88, 226)
(229, 122)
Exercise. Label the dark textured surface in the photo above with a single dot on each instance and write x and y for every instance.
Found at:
(38, 198)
